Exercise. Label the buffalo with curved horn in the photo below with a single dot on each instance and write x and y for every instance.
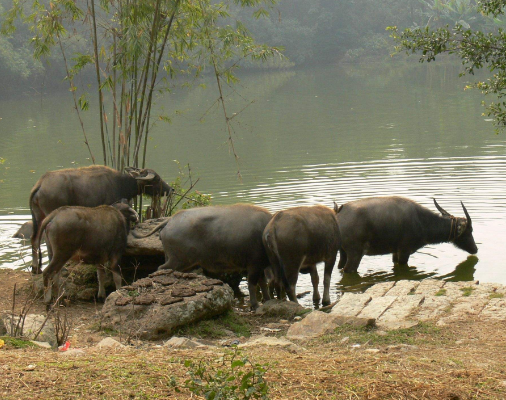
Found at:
(89, 187)
(397, 226)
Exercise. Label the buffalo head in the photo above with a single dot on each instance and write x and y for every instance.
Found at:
(461, 231)
(149, 181)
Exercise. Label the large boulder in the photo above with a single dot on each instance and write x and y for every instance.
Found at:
(153, 307)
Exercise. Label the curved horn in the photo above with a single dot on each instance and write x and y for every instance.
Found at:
(467, 215)
(148, 177)
(134, 172)
(441, 210)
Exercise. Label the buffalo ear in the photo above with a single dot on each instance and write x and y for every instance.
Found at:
(441, 210)
(133, 172)
(336, 208)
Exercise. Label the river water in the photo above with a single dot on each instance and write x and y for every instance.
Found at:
(311, 136)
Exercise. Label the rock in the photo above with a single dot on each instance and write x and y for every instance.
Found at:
(72, 353)
(264, 341)
(351, 304)
(374, 351)
(30, 367)
(182, 343)
(79, 281)
(281, 308)
(44, 345)
(158, 308)
(109, 342)
(313, 325)
(31, 326)
(345, 339)
(297, 318)
(25, 232)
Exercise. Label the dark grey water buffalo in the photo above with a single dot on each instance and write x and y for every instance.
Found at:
(220, 239)
(93, 235)
(384, 225)
(296, 240)
(89, 187)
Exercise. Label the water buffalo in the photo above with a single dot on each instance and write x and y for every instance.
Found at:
(384, 225)
(296, 240)
(89, 187)
(93, 235)
(220, 239)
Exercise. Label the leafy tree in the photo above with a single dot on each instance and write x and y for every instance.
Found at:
(136, 48)
(476, 48)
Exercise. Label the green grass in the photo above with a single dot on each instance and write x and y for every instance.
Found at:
(17, 342)
(418, 334)
(441, 292)
(496, 295)
(467, 291)
(217, 327)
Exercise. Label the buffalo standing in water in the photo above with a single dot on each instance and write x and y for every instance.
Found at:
(94, 235)
(296, 240)
(220, 239)
(385, 225)
(89, 187)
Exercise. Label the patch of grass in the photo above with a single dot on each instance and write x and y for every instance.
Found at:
(440, 292)
(467, 291)
(418, 334)
(17, 343)
(217, 327)
(412, 291)
(496, 295)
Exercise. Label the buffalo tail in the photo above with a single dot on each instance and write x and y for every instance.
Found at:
(157, 228)
(271, 243)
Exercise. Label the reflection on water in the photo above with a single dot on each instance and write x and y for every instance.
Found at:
(311, 136)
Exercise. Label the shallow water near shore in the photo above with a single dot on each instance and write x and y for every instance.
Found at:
(311, 136)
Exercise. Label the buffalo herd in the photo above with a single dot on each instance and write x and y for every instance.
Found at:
(85, 215)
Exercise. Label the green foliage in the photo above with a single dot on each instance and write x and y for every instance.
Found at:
(496, 295)
(216, 327)
(441, 292)
(184, 198)
(17, 343)
(477, 49)
(234, 378)
(467, 291)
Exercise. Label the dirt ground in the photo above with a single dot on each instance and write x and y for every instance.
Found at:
(466, 360)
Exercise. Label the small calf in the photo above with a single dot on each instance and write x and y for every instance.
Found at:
(93, 235)
(296, 240)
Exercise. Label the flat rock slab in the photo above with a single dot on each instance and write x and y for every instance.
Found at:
(152, 309)
(397, 315)
(351, 304)
(405, 303)
(402, 288)
(376, 307)
(379, 289)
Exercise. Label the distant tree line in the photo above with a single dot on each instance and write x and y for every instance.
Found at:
(311, 31)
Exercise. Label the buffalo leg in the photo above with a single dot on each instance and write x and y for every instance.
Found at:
(49, 273)
(403, 258)
(329, 267)
(352, 262)
(315, 280)
(265, 289)
(253, 279)
(395, 258)
(342, 259)
(101, 280)
(39, 217)
(172, 263)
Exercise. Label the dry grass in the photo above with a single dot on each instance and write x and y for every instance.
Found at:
(464, 361)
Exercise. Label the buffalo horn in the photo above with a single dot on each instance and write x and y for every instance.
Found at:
(148, 177)
(134, 172)
(441, 210)
(467, 214)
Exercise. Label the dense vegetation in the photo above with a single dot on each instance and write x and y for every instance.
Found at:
(311, 31)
